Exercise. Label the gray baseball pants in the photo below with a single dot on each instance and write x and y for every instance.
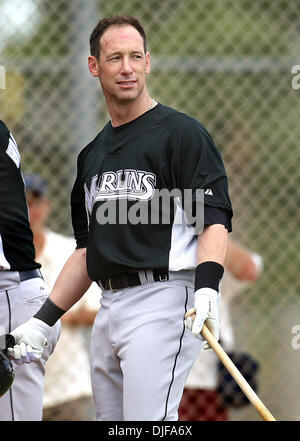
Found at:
(141, 352)
(19, 301)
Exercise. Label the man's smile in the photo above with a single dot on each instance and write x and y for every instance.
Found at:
(126, 83)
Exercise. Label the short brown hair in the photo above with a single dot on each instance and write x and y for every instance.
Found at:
(117, 20)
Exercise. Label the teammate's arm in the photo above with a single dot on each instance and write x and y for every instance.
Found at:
(242, 264)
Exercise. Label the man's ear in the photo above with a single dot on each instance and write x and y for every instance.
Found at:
(148, 63)
(93, 66)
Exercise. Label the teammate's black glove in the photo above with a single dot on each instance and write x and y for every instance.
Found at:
(7, 373)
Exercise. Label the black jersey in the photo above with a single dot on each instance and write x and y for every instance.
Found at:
(161, 149)
(17, 252)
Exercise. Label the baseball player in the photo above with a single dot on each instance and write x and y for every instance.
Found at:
(22, 288)
(151, 271)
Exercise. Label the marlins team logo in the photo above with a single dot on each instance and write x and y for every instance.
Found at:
(115, 189)
(127, 184)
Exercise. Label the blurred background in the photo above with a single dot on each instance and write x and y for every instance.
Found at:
(228, 64)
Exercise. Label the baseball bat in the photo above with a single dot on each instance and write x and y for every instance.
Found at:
(234, 372)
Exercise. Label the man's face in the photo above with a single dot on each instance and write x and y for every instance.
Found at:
(123, 64)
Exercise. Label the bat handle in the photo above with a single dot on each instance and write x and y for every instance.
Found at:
(233, 370)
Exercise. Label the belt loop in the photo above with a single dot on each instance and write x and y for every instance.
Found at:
(142, 277)
(101, 286)
(150, 276)
(110, 287)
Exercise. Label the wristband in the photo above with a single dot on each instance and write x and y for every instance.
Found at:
(208, 275)
(49, 313)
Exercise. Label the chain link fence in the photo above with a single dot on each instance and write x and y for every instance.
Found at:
(227, 63)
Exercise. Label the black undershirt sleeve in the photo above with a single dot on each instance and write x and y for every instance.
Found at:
(214, 215)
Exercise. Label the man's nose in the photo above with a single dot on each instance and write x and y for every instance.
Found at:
(126, 66)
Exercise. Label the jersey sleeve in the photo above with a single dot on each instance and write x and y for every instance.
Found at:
(78, 210)
(4, 137)
(8, 145)
(198, 165)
